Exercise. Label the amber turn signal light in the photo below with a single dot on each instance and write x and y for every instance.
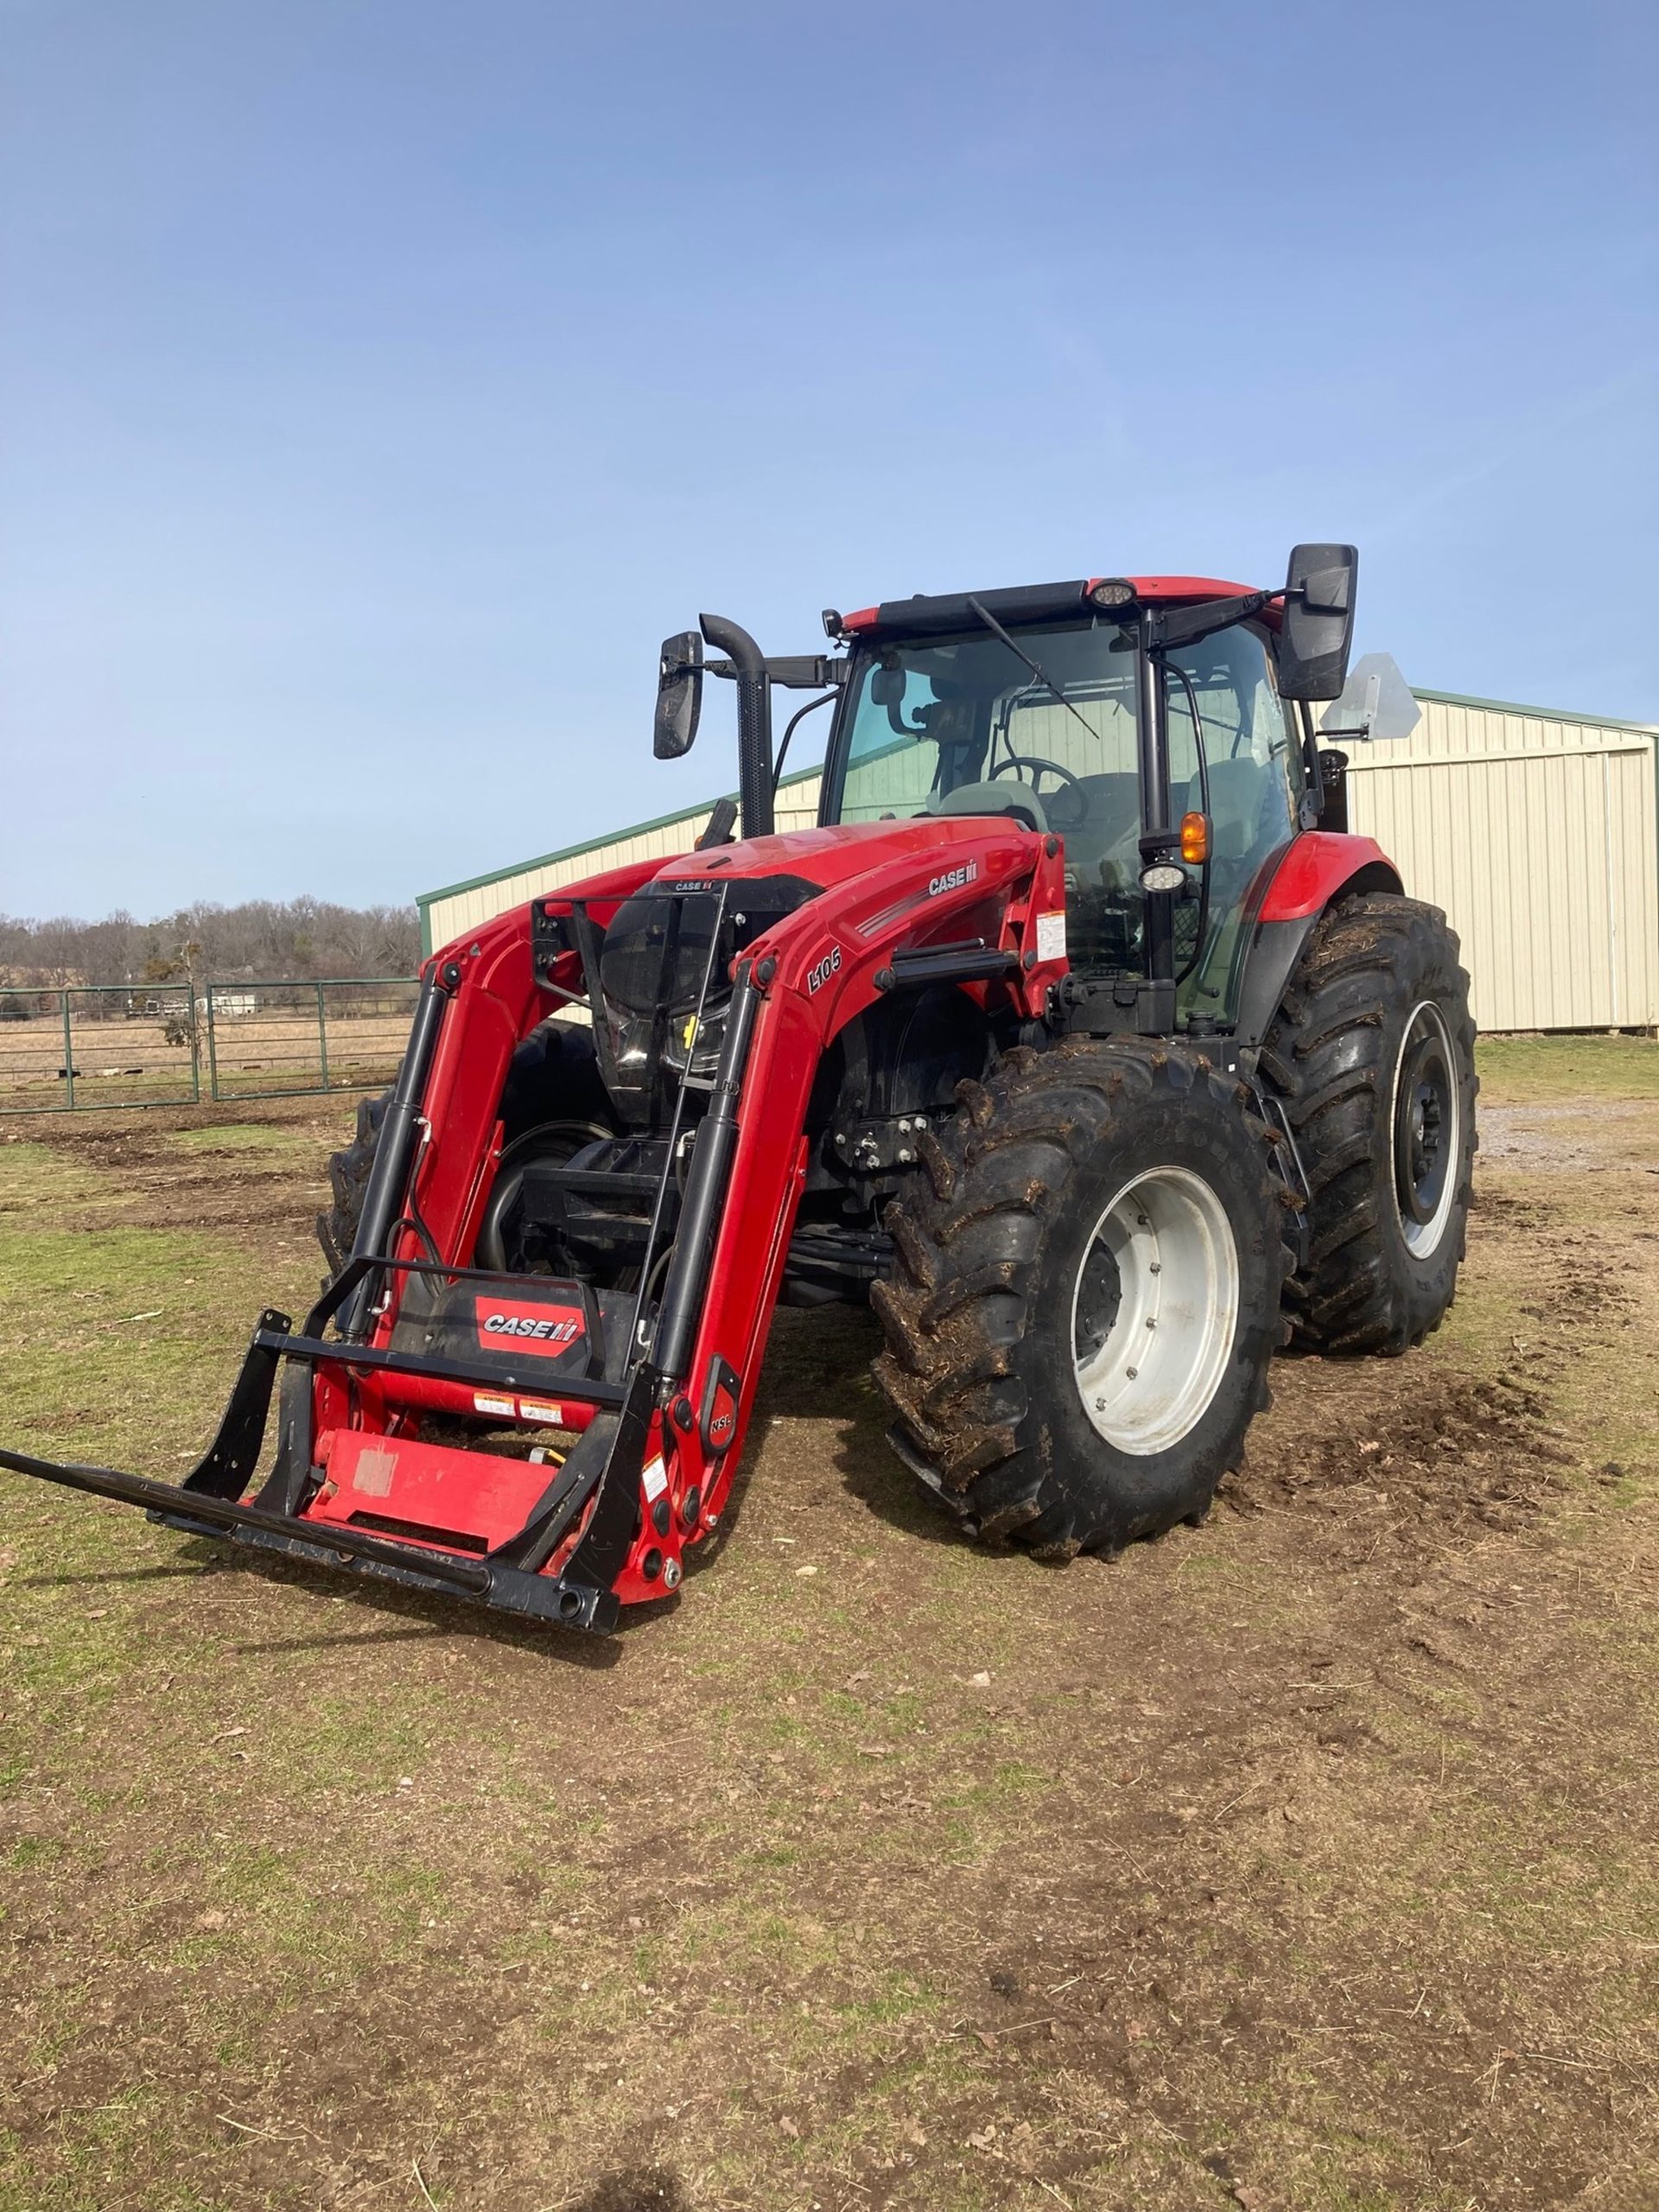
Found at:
(1195, 836)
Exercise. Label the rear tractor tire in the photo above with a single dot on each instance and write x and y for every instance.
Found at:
(1373, 1056)
(1085, 1295)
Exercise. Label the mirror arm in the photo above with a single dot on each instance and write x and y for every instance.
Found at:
(1174, 627)
(798, 715)
(789, 671)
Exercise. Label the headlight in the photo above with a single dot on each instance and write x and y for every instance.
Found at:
(695, 1046)
(690, 1046)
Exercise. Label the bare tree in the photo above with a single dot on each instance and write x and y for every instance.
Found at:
(261, 940)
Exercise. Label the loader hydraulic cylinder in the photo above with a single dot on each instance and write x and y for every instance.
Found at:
(705, 1189)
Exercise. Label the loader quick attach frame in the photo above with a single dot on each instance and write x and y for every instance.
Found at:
(601, 1475)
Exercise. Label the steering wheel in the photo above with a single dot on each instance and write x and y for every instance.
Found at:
(1078, 802)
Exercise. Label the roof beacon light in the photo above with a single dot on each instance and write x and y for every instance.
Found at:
(1112, 591)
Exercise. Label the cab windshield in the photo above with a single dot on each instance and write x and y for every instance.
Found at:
(961, 725)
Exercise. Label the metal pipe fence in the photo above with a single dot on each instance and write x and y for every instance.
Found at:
(102, 1046)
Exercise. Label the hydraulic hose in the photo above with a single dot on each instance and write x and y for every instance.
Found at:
(383, 1199)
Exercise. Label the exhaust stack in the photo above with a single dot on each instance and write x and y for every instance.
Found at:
(754, 719)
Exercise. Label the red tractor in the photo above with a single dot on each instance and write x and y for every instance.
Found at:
(1080, 1037)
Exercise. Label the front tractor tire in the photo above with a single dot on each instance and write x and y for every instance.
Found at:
(1372, 1054)
(553, 1102)
(1085, 1295)
(348, 1179)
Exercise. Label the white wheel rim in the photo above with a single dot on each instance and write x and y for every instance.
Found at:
(1427, 1028)
(1153, 1375)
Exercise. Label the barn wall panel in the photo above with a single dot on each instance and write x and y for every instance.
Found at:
(1538, 839)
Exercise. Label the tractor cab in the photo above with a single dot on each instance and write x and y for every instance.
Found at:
(1156, 726)
(1042, 723)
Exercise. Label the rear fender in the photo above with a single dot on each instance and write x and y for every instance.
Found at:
(1318, 866)
(1316, 869)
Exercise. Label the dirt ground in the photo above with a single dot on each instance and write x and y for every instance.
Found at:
(1307, 1859)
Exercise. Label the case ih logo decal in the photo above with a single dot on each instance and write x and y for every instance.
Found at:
(544, 1329)
(953, 879)
(830, 965)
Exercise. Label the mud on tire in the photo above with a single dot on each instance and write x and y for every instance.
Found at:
(1372, 1054)
(998, 1302)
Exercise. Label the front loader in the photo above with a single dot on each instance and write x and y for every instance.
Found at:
(1080, 1037)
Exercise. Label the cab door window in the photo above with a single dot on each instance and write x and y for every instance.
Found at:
(1254, 765)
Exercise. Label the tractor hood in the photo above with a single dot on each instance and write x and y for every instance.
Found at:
(821, 860)
(669, 951)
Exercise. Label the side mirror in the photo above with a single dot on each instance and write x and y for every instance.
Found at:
(679, 696)
(1376, 702)
(1318, 628)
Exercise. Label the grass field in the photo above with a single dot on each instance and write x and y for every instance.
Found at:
(1305, 1860)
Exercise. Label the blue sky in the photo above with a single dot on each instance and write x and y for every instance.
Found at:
(380, 379)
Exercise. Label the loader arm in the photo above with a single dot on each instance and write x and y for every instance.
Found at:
(959, 901)
(962, 907)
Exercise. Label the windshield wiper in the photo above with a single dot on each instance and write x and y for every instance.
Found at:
(1036, 667)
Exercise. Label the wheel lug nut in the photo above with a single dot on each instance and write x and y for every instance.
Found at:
(1131, 1372)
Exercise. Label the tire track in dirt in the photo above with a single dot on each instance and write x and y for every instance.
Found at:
(1443, 1453)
